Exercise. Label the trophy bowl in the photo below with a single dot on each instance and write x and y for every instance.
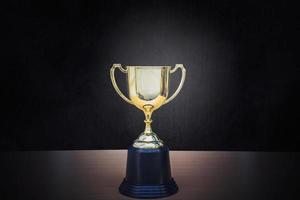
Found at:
(148, 172)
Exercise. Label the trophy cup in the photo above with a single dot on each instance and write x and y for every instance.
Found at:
(148, 172)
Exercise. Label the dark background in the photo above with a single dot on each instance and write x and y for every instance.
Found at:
(241, 91)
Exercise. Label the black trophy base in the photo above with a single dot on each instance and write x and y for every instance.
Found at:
(148, 174)
(148, 191)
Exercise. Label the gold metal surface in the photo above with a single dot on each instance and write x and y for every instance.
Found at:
(148, 88)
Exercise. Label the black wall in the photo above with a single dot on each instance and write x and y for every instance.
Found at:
(241, 91)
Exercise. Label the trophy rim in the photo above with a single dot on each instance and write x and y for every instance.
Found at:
(148, 66)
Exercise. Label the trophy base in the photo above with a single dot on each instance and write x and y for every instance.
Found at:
(148, 191)
(148, 174)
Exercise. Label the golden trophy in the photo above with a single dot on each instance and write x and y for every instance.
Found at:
(148, 173)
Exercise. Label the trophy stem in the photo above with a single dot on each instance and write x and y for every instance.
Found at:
(148, 109)
(148, 139)
(148, 121)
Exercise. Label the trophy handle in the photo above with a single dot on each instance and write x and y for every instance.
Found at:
(183, 73)
(114, 83)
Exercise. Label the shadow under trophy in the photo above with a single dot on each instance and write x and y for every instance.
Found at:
(148, 171)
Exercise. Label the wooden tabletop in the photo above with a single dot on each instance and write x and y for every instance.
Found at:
(200, 175)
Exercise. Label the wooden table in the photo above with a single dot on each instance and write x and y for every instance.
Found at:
(200, 175)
